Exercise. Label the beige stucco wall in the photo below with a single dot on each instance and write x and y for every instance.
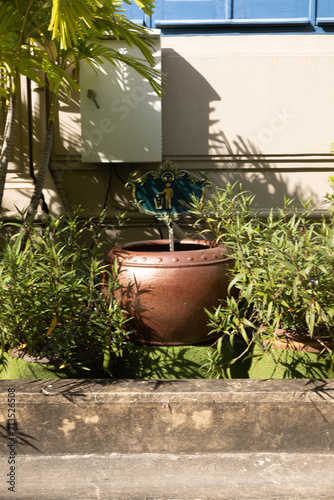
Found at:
(257, 109)
(252, 108)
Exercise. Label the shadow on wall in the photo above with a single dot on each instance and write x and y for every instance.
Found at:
(185, 107)
(194, 138)
(193, 135)
(243, 161)
(26, 154)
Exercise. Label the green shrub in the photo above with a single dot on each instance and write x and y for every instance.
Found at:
(283, 272)
(52, 302)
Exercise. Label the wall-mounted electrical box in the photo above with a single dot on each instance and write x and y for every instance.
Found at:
(120, 112)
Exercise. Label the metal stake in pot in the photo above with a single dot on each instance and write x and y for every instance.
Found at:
(166, 193)
(171, 237)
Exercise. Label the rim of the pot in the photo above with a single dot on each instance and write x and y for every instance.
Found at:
(187, 252)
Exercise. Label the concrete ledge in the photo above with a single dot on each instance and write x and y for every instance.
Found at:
(168, 416)
(173, 477)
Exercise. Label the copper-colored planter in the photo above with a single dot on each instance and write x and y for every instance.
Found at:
(166, 292)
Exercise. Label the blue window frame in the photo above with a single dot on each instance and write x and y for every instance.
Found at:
(134, 13)
(325, 12)
(189, 12)
(237, 16)
(269, 10)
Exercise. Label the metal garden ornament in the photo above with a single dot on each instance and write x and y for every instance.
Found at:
(166, 193)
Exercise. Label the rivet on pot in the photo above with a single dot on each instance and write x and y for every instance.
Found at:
(204, 257)
(190, 258)
(143, 259)
(175, 259)
(159, 259)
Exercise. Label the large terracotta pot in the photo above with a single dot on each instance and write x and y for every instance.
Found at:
(166, 292)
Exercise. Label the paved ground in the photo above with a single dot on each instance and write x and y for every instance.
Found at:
(145, 476)
(167, 440)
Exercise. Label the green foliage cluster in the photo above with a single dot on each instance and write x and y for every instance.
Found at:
(45, 41)
(52, 300)
(282, 278)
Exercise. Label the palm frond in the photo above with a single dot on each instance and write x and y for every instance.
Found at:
(96, 53)
(72, 20)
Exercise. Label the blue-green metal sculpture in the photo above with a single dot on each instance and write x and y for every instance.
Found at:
(166, 193)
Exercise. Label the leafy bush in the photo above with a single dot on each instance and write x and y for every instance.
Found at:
(283, 272)
(52, 301)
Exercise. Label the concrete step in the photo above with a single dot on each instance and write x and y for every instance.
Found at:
(167, 439)
(153, 476)
(167, 416)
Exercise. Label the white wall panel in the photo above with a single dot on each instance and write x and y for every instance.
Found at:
(126, 127)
